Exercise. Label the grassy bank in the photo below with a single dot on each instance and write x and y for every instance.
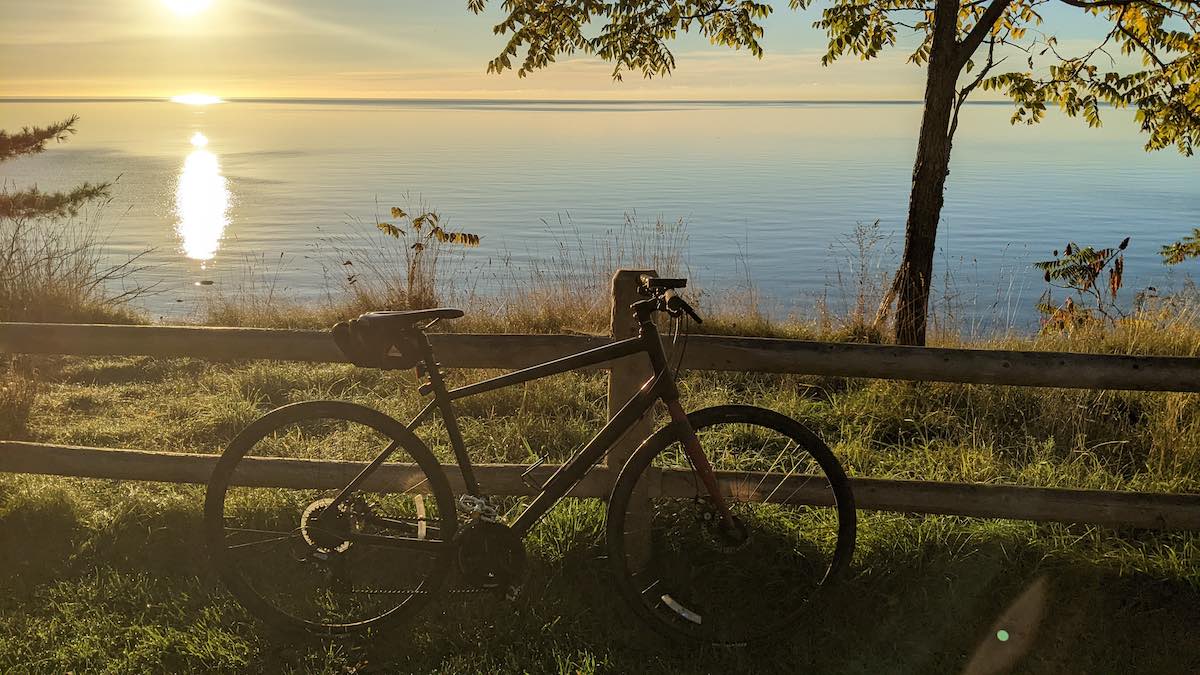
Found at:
(108, 576)
(105, 576)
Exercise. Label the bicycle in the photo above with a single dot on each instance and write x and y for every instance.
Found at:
(725, 546)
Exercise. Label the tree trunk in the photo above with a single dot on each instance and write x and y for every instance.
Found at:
(912, 283)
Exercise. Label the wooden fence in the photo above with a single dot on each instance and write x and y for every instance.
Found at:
(1039, 369)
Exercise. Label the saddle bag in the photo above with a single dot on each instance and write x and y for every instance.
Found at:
(368, 346)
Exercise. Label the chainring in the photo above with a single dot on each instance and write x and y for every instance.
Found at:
(490, 555)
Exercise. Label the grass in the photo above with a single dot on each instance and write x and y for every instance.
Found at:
(55, 271)
(106, 576)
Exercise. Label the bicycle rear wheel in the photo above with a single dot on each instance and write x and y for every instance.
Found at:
(688, 573)
(293, 561)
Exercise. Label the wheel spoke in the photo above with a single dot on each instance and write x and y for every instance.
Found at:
(305, 562)
(261, 542)
(729, 582)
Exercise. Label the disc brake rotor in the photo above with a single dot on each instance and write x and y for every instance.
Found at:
(327, 533)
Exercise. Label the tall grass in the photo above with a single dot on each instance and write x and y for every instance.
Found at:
(18, 391)
(56, 271)
(563, 289)
(568, 286)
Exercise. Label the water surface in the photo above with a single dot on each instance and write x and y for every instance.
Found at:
(769, 188)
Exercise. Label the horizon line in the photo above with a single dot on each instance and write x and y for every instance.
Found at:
(542, 101)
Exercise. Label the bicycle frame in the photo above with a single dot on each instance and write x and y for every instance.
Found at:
(661, 386)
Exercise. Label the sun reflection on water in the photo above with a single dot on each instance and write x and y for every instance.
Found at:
(201, 202)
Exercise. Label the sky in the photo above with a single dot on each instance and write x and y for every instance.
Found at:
(397, 49)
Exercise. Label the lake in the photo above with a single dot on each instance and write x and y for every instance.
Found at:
(767, 190)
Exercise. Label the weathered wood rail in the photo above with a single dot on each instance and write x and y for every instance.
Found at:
(764, 355)
(704, 352)
(1099, 507)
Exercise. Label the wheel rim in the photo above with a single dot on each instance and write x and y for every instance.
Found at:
(288, 557)
(699, 577)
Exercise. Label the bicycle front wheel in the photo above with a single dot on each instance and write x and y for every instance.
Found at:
(692, 574)
(296, 560)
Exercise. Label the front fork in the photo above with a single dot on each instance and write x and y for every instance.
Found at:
(648, 332)
(699, 461)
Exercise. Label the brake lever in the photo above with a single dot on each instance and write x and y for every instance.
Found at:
(677, 305)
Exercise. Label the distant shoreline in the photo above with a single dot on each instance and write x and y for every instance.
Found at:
(483, 101)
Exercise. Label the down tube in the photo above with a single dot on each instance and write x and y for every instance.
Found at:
(577, 466)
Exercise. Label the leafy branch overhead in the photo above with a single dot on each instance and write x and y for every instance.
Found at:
(632, 34)
(1161, 35)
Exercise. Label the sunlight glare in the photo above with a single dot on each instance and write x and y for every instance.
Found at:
(202, 202)
(195, 99)
(187, 8)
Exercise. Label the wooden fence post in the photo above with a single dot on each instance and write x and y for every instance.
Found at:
(629, 374)
(625, 378)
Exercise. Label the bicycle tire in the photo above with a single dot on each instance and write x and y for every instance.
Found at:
(672, 612)
(230, 568)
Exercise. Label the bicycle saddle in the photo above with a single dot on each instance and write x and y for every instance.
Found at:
(406, 320)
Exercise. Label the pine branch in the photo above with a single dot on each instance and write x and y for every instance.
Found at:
(33, 203)
(32, 140)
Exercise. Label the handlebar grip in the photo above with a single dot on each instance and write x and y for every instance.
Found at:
(678, 304)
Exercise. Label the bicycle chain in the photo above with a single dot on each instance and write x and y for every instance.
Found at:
(406, 591)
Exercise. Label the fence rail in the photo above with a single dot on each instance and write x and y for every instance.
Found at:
(1098, 507)
(762, 355)
(704, 352)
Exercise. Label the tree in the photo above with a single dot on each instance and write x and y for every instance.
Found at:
(51, 268)
(1148, 59)
(32, 202)
(1186, 248)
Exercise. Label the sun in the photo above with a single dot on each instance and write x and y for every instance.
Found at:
(195, 99)
(187, 7)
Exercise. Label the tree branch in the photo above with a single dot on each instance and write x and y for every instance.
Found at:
(1089, 4)
(1098, 4)
(30, 141)
(981, 30)
(966, 91)
(1138, 41)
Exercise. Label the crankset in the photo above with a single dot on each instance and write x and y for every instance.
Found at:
(490, 555)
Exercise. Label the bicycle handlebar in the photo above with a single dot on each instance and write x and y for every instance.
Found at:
(662, 290)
